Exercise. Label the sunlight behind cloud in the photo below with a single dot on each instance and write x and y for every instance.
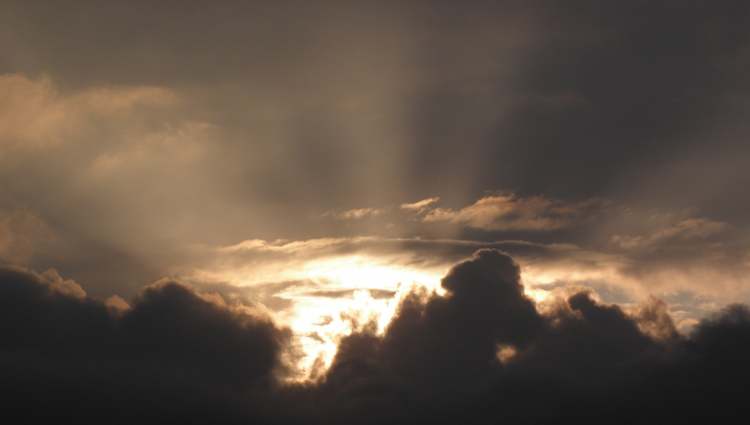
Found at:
(352, 293)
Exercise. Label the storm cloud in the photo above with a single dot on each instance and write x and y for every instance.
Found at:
(70, 358)
(481, 353)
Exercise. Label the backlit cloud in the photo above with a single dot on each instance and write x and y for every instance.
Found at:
(395, 212)
(205, 356)
(420, 206)
(510, 212)
(355, 214)
(34, 113)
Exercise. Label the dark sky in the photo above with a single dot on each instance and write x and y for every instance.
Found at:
(319, 163)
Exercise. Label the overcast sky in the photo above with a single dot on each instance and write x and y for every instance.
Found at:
(298, 156)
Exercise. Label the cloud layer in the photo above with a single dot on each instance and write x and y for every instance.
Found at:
(308, 161)
(481, 353)
(70, 358)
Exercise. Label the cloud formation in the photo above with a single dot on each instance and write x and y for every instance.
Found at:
(67, 357)
(271, 156)
(355, 214)
(137, 146)
(34, 114)
(510, 212)
(481, 353)
(420, 206)
(680, 232)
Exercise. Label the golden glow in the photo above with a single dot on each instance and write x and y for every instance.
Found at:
(358, 292)
(339, 295)
(537, 294)
(506, 353)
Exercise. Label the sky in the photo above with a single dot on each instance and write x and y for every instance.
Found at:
(302, 212)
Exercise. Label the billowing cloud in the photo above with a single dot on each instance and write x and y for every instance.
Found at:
(482, 352)
(438, 361)
(327, 163)
(170, 349)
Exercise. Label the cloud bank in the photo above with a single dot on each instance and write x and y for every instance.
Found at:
(481, 353)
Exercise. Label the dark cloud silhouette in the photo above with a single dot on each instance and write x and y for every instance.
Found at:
(172, 355)
(482, 353)
(583, 361)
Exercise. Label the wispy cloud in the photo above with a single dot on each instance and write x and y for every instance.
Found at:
(510, 212)
(684, 230)
(420, 206)
(34, 112)
(355, 213)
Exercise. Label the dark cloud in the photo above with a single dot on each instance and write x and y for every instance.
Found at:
(480, 354)
(172, 355)
(485, 306)
(583, 361)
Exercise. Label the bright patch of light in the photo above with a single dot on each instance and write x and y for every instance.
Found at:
(506, 353)
(360, 291)
(537, 294)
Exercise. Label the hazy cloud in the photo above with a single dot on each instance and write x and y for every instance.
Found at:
(356, 213)
(34, 114)
(22, 235)
(420, 206)
(682, 231)
(176, 354)
(272, 156)
(510, 212)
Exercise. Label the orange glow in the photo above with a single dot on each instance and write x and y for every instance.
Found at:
(349, 293)
(536, 294)
(320, 322)
(506, 353)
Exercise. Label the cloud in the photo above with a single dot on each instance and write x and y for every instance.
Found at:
(420, 206)
(176, 354)
(356, 213)
(348, 293)
(129, 155)
(584, 360)
(22, 235)
(168, 350)
(34, 113)
(684, 230)
(426, 251)
(373, 130)
(623, 276)
(511, 212)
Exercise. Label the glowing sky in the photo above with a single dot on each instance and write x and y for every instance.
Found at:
(321, 161)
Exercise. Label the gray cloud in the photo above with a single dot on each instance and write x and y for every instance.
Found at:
(176, 354)
(168, 131)
(509, 212)
(172, 345)
(230, 143)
